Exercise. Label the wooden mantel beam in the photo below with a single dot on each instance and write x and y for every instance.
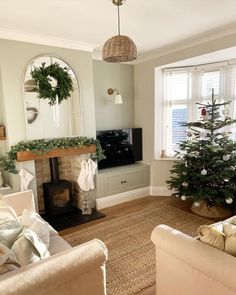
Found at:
(55, 153)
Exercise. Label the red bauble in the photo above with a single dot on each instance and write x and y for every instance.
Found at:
(203, 112)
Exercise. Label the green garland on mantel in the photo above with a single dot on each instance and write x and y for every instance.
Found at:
(43, 146)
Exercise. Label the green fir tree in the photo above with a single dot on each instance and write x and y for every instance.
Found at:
(206, 165)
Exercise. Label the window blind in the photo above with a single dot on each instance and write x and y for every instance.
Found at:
(175, 100)
(183, 88)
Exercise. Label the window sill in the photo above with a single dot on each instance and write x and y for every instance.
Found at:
(167, 159)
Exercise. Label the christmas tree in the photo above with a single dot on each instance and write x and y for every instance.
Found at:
(206, 165)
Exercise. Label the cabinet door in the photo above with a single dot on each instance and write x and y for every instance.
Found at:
(136, 178)
(100, 186)
(113, 183)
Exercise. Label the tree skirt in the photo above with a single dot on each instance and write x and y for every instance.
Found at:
(131, 263)
(217, 212)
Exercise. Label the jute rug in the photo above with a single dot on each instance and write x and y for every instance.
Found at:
(131, 263)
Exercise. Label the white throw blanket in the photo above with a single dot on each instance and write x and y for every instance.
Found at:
(86, 176)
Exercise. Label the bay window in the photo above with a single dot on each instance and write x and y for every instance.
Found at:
(182, 88)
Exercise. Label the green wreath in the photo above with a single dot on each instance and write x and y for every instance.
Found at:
(43, 77)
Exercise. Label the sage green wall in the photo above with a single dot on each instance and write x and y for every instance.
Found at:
(14, 56)
(120, 76)
(144, 77)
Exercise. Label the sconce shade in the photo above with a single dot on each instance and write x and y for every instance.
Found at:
(119, 48)
(30, 85)
(118, 99)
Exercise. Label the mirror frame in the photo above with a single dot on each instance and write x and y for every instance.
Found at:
(31, 61)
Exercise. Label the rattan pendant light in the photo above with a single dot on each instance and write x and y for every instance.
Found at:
(119, 48)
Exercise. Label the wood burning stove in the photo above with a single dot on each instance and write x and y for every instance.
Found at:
(58, 195)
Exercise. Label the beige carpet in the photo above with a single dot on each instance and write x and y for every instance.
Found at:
(131, 264)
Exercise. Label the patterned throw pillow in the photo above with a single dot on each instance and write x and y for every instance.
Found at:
(29, 248)
(221, 235)
(211, 236)
(10, 226)
(34, 221)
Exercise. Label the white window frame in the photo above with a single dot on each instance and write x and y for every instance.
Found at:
(225, 91)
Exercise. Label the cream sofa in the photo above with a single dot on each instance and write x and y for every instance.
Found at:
(79, 270)
(186, 266)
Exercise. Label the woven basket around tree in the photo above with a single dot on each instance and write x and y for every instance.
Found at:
(217, 212)
(119, 48)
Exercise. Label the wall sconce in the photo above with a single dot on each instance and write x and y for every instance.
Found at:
(118, 98)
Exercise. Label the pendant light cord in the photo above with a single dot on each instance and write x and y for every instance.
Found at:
(118, 19)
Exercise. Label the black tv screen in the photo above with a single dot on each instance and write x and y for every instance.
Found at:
(121, 146)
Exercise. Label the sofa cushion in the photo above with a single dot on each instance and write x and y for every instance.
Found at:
(230, 238)
(28, 218)
(58, 244)
(221, 235)
(10, 226)
(29, 248)
(8, 260)
(34, 222)
(211, 236)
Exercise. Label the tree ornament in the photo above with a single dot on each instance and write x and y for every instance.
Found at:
(53, 82)
(205, 118)
(226, 180)
(169, 187)
(232, 168)
(226, 157)
(203, 134)
(203, 172)
(229, 200)
(196, 204)
(203, 112)
(189, 133)
(185, 184)
(214, 143)
(183, 198)
(225, 134)
(184, 173)
(226, 111)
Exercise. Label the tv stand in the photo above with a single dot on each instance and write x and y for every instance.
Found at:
(117, 180)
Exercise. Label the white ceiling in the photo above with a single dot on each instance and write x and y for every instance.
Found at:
(86, 24)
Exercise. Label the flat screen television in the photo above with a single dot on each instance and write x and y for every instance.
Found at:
(121, 146)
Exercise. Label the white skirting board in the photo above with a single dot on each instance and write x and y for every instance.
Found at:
(160, 191)
(121, 198)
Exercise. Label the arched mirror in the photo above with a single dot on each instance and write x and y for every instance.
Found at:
(51, 99)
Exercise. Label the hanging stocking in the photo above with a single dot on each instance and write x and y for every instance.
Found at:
(26, 178)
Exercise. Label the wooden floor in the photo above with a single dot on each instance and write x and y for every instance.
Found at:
(128, 207)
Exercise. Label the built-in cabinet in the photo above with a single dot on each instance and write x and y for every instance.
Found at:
(117, 180)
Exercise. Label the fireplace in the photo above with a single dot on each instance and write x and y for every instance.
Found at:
(58, 196)
(58, 199)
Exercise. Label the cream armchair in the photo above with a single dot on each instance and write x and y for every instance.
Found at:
(187, 266)
(79, 270)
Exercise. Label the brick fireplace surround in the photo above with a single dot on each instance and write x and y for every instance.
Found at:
(69, 168)
(69, 163)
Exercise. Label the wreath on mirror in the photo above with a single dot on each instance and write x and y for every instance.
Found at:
(53, 82)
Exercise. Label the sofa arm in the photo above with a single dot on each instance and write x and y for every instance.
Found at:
(20, 201)
(184, 264)
(79, 270)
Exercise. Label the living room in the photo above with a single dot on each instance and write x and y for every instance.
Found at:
(126, 98)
